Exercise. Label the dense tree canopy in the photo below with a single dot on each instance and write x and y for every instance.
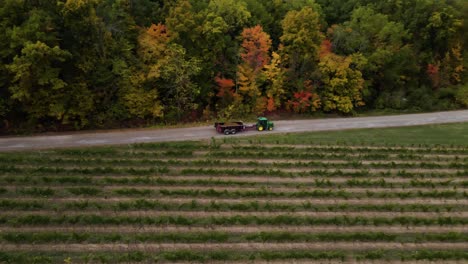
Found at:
(73, 64)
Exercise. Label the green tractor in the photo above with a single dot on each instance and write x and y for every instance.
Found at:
(264, 124)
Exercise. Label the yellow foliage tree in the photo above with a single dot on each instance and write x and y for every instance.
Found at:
(342, 84)
(142, 102)
(452, 66)
(275, 77)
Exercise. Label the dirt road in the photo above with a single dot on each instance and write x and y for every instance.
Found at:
(206, 132)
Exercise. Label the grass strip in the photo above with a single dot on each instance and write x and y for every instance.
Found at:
(442, 135)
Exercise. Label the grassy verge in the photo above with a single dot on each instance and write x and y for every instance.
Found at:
(431, 135)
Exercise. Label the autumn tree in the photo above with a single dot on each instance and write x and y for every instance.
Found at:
(256, 45)
(142, 97)
(275, 78)
(301, 42)
(225, 91)
(342, 82)
(306, 100)
(254, 53)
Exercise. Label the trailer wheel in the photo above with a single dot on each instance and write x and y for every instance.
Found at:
(226, 131)
(233, 131)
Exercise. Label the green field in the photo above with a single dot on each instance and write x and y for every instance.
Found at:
(396, 194)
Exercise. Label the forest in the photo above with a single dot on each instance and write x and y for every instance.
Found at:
(82, 64)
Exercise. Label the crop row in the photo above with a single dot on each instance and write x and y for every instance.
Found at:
(251, 151)
(9, 169)
(287, 220)
(294, 154)
(172, 181)
(300, 143)
(349, 149)
(322, 173)
(151, 171)
(46, 162)
(227, 237)
(237, 153)
(239, 256)
(249, 206)
(224, 193)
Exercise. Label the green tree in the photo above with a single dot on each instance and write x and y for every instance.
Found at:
(391, 63)
(181, 93)
(21, 24)
(235, 13)
(101, 36)
(37, 82)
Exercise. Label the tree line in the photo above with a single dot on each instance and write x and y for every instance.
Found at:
(75, 64)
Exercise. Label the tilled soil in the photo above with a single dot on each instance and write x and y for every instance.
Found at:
(318, 201)
(154, 213)
(152, 247)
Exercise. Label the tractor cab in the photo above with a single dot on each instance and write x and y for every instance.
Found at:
(264, 124)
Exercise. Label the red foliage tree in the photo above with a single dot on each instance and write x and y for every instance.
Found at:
(433, 72)
(225, 87)
(304, 101)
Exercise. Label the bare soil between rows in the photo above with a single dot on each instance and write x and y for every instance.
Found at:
(204, 214)
(151, 247)
(291, 201)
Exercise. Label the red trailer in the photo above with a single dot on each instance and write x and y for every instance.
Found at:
(232, 127)
(238, 126)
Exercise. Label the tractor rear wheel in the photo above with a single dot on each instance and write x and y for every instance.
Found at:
(260, 128)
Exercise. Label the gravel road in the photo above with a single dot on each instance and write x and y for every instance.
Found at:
(206, 132)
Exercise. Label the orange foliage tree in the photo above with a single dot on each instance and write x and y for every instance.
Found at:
(256, 45)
